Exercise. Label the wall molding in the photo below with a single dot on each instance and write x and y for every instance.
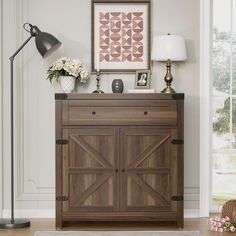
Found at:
(205, 105)
(27, 188)
(31, 213)
(1, 108)
(191, 194)
(191, 213)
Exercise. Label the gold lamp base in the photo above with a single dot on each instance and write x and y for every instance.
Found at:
(168, 90)
(168, 79)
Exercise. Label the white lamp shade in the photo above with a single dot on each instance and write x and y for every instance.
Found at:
(170, 47)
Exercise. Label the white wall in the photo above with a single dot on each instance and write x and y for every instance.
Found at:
(69, 20)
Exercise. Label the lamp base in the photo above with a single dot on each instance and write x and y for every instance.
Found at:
(168, 90)
(18, 223)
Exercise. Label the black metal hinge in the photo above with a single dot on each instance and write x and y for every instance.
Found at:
(177, 198)
(61, 96)
(62, 198)
(178, 96)
(62, 141)
(177, 141)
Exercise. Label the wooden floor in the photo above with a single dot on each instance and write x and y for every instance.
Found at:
(49, 225)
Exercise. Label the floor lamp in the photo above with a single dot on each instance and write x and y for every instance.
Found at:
(45, 43)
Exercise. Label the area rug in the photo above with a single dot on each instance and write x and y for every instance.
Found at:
(117, 233)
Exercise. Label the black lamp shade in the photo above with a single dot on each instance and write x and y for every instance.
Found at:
(46, 43)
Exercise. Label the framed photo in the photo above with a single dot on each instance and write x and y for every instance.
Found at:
(121, 35)
(142, 79)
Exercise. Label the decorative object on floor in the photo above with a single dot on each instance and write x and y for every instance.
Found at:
(141, 91)
(222, 224)
(117, 86)
(142, 79)
(118, 233)
(98, 90)
(227, 221)
(68, 70)
(121, 35)
(168, 48)
(229, 209)
(46, 44)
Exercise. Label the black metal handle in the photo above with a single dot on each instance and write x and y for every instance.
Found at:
(116, 170)
(145, 113)
(94, 112)
(123, 170)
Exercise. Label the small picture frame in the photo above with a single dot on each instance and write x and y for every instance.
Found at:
(142, 79)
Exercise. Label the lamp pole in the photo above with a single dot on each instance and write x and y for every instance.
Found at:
(45, 43)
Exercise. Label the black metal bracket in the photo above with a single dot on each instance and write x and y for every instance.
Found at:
(177, 141)
(177, 96)
(62, 141)
(62, 198)
(177, 198)
(61, 96)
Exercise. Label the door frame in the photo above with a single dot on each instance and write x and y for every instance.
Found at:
(1, 108)
(205, 105)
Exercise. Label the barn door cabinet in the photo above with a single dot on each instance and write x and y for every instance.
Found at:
(119, 157)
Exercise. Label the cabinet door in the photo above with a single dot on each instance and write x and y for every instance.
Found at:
(148, 169)
(90, 174)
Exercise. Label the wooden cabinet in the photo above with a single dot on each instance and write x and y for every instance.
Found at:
(119, 157)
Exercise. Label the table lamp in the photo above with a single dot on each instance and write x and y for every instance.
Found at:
(168, 48)
(46, 44)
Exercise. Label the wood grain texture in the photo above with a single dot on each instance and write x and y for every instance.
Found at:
(119, 163)
(96, 115)
(148, 151)
(58, 163)
(89, 167)
(180, 164)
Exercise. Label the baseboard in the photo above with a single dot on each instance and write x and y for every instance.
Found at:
(30, 213)
(50, 213)
(191, 213)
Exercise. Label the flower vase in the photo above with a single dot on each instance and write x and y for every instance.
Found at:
(67, 83)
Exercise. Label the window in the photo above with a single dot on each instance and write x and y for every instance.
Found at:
(224, 101)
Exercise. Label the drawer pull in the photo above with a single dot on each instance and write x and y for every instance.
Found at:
(123, 170)
(145, 113)
(116, 170)
(94, 112)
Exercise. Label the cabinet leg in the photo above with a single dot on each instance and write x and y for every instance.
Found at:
(58, 225)
(180, 224)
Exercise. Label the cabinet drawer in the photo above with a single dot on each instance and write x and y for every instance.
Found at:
(162, 113)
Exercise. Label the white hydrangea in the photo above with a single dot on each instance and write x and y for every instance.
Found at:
(73, 67)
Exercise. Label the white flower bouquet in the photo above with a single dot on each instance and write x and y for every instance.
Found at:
(66, 66)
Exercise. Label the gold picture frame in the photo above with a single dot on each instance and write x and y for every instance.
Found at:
(142, 79)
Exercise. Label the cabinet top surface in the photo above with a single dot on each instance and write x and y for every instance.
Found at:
(120, 96)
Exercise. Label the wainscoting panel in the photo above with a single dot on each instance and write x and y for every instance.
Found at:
(34, 120)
